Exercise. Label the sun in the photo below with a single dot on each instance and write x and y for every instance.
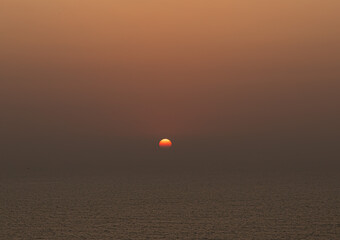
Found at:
(165, 143)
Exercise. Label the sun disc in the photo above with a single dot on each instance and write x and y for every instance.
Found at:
(165, 143)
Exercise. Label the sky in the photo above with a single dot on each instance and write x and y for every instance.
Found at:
(120, 75)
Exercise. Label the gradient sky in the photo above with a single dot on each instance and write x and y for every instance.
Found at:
(188, 69)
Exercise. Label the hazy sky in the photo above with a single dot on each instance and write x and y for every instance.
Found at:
(184, 69)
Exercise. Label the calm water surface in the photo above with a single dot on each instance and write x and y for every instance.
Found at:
(170, 206)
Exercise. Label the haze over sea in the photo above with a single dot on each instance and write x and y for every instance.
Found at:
(247, 91)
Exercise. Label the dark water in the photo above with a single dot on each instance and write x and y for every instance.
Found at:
(171, 206)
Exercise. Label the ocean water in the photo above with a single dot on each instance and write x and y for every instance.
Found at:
(171, 206)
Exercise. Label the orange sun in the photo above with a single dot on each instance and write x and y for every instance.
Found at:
(165, 143)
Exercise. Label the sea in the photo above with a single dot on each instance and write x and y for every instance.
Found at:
(233, 204)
